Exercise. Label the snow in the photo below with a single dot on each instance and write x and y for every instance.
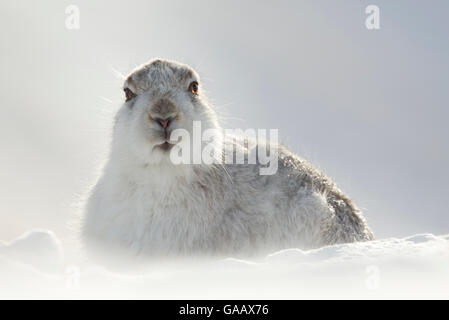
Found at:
(34, 266)
(37, 248)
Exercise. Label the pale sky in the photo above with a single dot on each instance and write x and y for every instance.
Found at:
(370, 108)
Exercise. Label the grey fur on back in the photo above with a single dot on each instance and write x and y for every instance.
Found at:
(299, 206)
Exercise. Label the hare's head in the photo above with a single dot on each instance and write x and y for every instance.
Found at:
(160, 96)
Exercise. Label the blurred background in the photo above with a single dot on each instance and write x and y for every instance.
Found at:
(369, 107)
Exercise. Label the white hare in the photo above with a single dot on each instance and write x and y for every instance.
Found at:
(144, 206)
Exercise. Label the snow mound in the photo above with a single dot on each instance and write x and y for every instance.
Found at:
(417, 266)
(37, 248)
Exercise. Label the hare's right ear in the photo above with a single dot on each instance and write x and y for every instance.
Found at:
(129, 89)
(129, 94)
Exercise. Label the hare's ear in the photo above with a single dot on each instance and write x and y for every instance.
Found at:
(128, 94)
(129, 89)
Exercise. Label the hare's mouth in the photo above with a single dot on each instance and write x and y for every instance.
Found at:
(166, 146)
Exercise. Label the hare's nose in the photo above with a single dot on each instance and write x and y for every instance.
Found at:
(164, 123)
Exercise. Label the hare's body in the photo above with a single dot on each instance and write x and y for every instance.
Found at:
(146, 206)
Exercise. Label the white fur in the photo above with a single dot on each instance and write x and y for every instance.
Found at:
(144, 206)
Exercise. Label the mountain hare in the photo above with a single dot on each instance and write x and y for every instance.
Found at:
(146, 206)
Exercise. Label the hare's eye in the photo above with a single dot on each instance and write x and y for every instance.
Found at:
(129, 94)
(193, 87)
